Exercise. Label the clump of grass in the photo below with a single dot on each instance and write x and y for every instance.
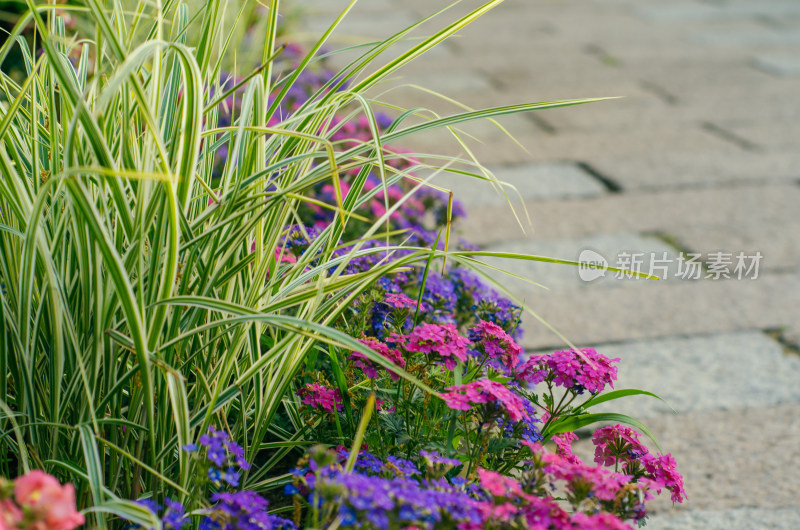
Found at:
(144, 297)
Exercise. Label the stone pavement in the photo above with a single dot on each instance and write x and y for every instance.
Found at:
(701, 155)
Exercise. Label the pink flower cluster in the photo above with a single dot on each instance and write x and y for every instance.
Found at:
(563, 443)
(581, 479)
(368, 367)
(509, 506)
(398, 301)
(439, 342)
(281, 255)
(664, 473)
(319, 396)
(586, 369)
(500, 485)
(39, 502)
(618, 444)
(463, 397)
(492, 340)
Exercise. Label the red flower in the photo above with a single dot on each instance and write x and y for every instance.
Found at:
(51, 503)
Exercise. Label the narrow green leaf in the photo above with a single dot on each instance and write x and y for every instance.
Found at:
(573, 423)
(616, 394)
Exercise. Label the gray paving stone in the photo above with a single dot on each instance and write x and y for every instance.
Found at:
(454, 83)
(729, 101)
(684, 11)
(490, 145)
(774, 8)
(360, 24)
(530, 182)
(365, 24)
(635, 110)
(702, 76)
(679, 11)
(704, 373)
(730, 459)
(628, 251)
(771, 211)
(629, 144)
(604, 25)
(672, 43)
(337, 6)
(762, 37)
(791, 337)
(734, 519)
(406, 89)
(584, 73)
(775, 240)
(768, 136)
(661, 309)
(669, 170)
(787, 65)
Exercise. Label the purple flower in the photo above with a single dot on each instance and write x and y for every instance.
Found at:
(433, 457)
(376, 500)
(290, 489)
(150, 504)
(175, 516)
(405, 467)
(246, 510)
(231, 477)
(492, 342)
(440, 297)
(238, 454)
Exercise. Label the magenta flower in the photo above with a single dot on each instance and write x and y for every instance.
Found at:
(382, 406)
(398, 301)
(501, 486)
(579, 371)
(598, 521)
(368, 367)
(318, 396)
(439, 342)
(492, 340)
(463, 397)
(663, 470)
(284, 256)
(582, 479)
(563, 443)
(617, 444)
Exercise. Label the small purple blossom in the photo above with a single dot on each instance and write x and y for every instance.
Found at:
(433, 458)
(245, 510)
(175, 515)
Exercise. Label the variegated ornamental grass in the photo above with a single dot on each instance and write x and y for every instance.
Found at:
(142, 298)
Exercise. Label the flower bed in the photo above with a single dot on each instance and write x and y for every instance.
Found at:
(254, 291)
